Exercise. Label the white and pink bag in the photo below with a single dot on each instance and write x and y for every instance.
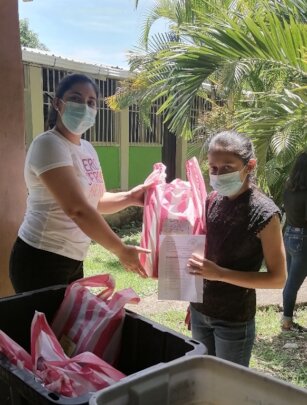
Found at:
(171, 208)
(14, 352)
(89, 322)
(70, 377)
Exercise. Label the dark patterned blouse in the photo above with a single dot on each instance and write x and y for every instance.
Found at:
(232, 242)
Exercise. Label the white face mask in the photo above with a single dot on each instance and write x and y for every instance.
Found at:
(78, 118)
(227, 184)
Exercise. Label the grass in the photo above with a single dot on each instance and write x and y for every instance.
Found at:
(100, 260)
(269, 355)
(172, 319)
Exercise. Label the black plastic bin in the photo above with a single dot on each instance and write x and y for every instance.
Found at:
(144, 344)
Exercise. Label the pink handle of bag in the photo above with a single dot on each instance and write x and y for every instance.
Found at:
(100, 280)
(123, 297)
(198, 187)
(158, 175)
(195, 177)
(90, 359)
(43, 341)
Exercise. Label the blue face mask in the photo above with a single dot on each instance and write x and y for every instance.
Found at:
(226, 184)
(78, 118)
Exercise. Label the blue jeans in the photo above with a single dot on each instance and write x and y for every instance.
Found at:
(232, 341)
(296, 252)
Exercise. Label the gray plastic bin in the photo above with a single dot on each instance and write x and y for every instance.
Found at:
(200, 380)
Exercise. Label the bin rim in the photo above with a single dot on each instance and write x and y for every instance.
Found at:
(156, 370)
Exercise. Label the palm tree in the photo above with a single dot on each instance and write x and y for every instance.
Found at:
(254, 55)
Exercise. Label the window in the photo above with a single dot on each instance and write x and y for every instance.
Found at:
(106, 129)
(51, 78)
(139, 133)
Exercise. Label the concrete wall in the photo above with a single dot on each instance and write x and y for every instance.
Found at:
(12, 141)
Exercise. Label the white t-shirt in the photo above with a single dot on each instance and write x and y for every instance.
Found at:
(45, 225)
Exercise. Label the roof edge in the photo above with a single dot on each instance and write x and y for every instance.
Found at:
(48, 59)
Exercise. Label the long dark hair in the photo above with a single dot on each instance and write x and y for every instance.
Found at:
(65, 84)
(298, 176)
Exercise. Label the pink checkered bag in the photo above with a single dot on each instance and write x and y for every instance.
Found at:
(89, 322)
(171, 208)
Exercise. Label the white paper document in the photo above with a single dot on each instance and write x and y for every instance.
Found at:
(175, 282)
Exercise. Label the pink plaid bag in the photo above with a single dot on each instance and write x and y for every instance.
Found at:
(89, 322)
(171, 208)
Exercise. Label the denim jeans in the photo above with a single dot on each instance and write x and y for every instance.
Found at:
(232, 341)
(296, 252)
(31, 268)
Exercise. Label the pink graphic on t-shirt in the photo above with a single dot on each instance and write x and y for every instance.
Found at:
(94, 176)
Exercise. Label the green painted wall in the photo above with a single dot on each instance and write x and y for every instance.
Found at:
(110, 164)
(141, 160)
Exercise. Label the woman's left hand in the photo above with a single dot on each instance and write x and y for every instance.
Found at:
(200, 266)
(137, 193)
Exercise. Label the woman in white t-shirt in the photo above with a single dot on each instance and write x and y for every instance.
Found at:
(66, 197)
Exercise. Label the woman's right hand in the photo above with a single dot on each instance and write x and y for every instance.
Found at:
(64, 184)
(129, 258)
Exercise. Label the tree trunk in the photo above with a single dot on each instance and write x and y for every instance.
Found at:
(169, 154)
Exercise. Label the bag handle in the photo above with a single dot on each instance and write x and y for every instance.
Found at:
(195, 177)
(198, 187)
(99, 280)
(158, 175)
(123, 297)
(90, 359)
(43, 341)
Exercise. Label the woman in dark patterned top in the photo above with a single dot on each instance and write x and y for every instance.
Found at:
(295, 237)
(243, 227)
